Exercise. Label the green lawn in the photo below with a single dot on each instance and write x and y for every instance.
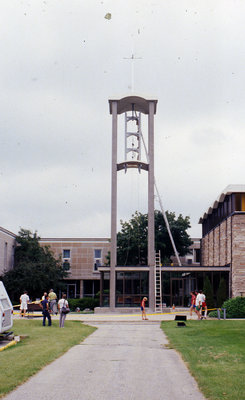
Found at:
(43, 345)
(215, 354)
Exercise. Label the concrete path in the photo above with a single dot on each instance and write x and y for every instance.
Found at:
(119, 361)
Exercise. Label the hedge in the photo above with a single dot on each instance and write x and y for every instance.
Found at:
(85, 302)
(235, 308)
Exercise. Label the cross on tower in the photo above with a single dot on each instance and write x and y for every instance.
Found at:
(132, 58)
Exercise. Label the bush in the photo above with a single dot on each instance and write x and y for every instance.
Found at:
(235, 308)
(214, 314)
(208, 291)
(86, 302)
(221, 293)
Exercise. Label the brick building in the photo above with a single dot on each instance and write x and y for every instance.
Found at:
(81, 257)
(223, 236)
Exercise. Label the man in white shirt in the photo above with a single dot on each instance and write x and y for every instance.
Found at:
(199, 300)
(24, 300)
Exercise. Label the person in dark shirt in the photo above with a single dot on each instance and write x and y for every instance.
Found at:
(44, 305)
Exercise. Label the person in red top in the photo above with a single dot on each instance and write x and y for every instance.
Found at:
(204, 306)
(193, 302)
(143, 308)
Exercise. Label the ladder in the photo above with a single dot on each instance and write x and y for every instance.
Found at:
(158, 283)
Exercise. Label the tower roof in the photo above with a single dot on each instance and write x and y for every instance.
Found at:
(135, 103)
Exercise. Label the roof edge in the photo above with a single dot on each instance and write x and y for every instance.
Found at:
(234, 188)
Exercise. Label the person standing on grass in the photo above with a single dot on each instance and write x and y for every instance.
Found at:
(44, 305)
(62, 303)
(24, 300)
(52, 301)
(193, 302)
(143, 308)
(44, 294)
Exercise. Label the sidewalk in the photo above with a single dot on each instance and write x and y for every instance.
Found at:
(119, 361)
(118, 317)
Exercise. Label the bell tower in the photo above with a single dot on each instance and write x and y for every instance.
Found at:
(132, 107)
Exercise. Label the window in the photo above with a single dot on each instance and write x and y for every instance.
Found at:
(131, 287)
(66, 253)
(97, 259)
(240, 201)
(198, 255)
(66, 265)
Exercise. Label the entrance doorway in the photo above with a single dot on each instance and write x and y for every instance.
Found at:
(131, 287)
(180, 289)
(71, 291)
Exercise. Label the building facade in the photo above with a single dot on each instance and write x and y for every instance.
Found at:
(7, 246)
(223, 236)
(81, 257)
(193, 257)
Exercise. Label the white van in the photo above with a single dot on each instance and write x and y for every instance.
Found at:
(6, 310)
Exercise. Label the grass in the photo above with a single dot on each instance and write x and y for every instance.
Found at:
(215, 354)
(43, 345)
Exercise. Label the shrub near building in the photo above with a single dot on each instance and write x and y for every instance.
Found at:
(85, 302)
(235, 308)
(208, 291)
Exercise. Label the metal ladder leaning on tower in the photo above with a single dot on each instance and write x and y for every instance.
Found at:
(158, 282)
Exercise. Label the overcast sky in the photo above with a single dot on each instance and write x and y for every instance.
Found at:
(61, 60)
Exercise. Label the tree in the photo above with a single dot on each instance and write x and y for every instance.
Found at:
(208, 291)
(35, 268)
(221, 293)
(132, 239)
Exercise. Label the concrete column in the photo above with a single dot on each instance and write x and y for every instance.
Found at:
(113, 206)
(151, 223)
(101, 288)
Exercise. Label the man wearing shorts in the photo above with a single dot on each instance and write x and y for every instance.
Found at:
(199, 304)
(24, 300)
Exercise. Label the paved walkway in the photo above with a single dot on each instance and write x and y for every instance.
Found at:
(119, 361)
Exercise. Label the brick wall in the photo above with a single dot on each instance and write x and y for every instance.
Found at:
(216, 247)
(238, 255)
(224, 245)
(211, 248)
(204, 251)
(82, 255)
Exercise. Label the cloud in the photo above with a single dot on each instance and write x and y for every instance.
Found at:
(62, 61)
